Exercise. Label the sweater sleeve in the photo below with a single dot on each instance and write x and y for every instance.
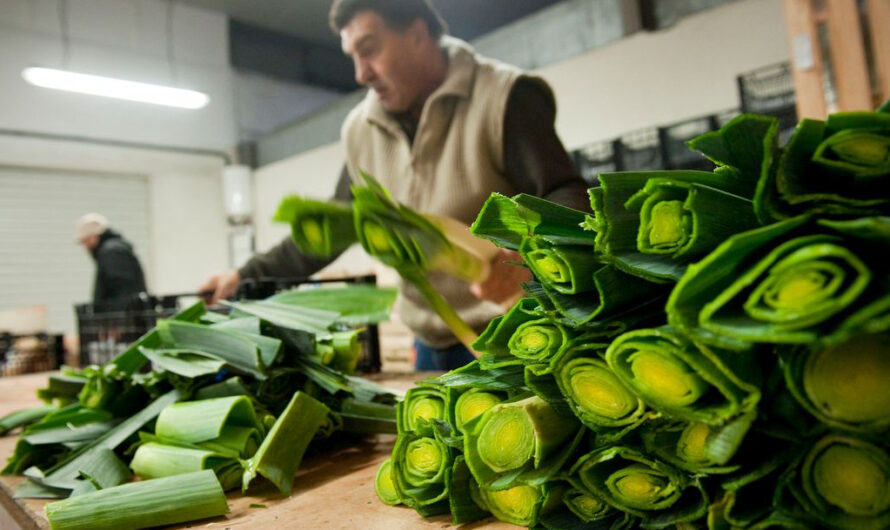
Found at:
(535, 160)
(284, 260)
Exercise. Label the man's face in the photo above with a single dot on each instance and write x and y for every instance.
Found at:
(384, 59)
(89, 242)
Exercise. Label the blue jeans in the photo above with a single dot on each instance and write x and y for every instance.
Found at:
(428, 359)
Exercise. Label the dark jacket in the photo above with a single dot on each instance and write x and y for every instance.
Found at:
(118, 273)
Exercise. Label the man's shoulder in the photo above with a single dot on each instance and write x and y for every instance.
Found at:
(114, 246)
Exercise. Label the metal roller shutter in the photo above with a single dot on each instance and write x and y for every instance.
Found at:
(40, 262)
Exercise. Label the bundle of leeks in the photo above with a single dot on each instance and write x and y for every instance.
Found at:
(690, 356)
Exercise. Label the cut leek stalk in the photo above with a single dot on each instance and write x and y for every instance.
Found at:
(143, 504)
(384, 484)
(836, 167)
(155, 460)
(281, 452)
(844, 482)
(845, 384)
(698, 447)
(421, 406)
(318, 228)
(792, 282)
(598, 397)
(653, 224)
(419, 466)
(639, 485)
(683, 379)
(472, 404)
(522, 440)
(207, 419)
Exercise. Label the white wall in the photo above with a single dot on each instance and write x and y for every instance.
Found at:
(129, 39)
(312, 174)
(125, 39)
(188, 231)
(647, 79)
(667, 76)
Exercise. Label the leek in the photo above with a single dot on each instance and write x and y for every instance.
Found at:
(644, 487)
(472, 404)
(143, 504)
(186, 363)
(683, 379)
(792, 282)
(24, 417)
(320, 229)
(281, 452)
(861, 402)
(315, 321)
(356, 304)
(238, 350)
(539, 340)
(653, 224)
(598, 397)
(415, 244)
(698, 447)
(585, 506)
(420, 407)
(522, 504)
(522, 440)
(844, 482)
(63, 476)
(207, 419)
(464, 497)
(748, 144)
(563, 268)
(384, 484)
(155, 460)
(419, 466)
(836, 167)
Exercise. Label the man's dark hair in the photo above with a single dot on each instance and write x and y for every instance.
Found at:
(397, 14)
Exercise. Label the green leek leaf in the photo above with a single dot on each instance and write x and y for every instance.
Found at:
(282, 450)
(148, 503)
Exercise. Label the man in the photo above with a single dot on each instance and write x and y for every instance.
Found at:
(441, 128)
(118, 273)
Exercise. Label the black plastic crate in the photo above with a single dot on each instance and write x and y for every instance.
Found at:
(770, 90)
(640, 150)
(370, 362)
(726, 116)
(596, 158)
(107, 330)
(673, 138)
(30, 353)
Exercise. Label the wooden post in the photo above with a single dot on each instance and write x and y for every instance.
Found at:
(806, 60)
(879, 27)
(848, 60)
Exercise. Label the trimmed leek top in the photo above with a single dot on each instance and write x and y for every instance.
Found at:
(795, 282)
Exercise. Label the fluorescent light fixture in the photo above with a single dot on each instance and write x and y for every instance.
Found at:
(115, 88)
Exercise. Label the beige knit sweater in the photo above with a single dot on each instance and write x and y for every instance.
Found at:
(455, 162)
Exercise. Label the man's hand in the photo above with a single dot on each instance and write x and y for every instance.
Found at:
(222, 285)
(503, 283)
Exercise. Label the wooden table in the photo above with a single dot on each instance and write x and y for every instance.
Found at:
(333, 489)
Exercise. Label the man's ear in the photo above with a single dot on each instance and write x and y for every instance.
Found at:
(418, 31)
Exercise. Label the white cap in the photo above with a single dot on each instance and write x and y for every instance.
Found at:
(91, 224)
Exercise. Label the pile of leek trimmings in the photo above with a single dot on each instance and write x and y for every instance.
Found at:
(227, 398)
(709, 349)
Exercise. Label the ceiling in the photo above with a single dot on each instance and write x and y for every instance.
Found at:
(308, 19)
